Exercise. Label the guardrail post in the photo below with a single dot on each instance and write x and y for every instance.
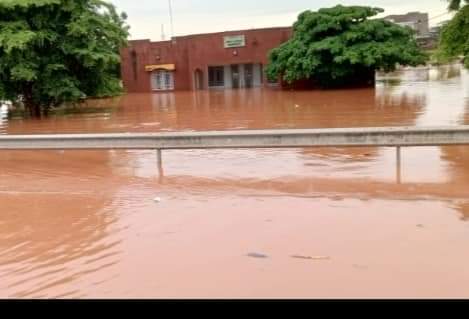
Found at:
(159, 160)
(398, 165)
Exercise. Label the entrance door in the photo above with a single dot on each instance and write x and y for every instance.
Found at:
(235, 75)
(199, 79)
(248, 75)
(216, 76)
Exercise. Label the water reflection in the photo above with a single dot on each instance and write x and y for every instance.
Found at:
(433, 96)
(3, 117)
(457, 159)
(445, 72)
(371, 108)
(259, 109)
(422, 74)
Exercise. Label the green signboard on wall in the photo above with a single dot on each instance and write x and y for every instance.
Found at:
(235, 41)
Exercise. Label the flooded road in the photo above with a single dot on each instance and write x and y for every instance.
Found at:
(295, 223)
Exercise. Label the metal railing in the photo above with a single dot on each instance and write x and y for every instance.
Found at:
(297, 138)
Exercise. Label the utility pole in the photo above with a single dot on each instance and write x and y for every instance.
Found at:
(171, 17)
(163, 36)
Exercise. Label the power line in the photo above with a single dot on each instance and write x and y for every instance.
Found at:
(439, 16)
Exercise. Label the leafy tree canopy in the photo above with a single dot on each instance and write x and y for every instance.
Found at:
(335, 46)
(456, 4)
(56, 51)
(454, 40)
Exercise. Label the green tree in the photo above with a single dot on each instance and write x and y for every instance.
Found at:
(454, 41)
(340, 46)
(456, 4)
(57, 51)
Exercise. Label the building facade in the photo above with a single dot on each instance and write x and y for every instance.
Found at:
(417, 21)
(234, 59)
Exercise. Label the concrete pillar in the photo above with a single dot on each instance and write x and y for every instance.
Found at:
(242, 79)
(257, 75)
(228, 77)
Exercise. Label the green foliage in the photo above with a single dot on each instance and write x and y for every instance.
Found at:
(338, 45)
(454, 40)
(56, 51)
(26, 3)
(456, 4)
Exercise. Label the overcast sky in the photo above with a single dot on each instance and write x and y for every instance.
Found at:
(201, 16)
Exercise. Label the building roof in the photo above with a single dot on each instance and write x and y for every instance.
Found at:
(215, 33)
(405, 17)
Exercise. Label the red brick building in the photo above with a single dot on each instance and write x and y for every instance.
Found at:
(234, 59)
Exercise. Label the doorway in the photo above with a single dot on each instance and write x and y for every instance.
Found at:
(199, 79)
(248, 75)
(235, 75)
(216, 77)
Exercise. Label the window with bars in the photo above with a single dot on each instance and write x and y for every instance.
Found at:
(163, 80)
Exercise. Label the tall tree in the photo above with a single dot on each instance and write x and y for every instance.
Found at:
(454, 41)
(456, 4)
(56, 51)
(340, 46)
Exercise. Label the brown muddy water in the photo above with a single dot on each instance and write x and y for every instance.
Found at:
(296, 223)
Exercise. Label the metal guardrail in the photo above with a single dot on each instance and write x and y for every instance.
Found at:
(351, 137)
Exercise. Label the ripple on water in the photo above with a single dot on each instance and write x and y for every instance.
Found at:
(64, 244)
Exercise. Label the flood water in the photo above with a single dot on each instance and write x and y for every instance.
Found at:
(289, 223)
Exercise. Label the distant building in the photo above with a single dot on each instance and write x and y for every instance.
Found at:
(436, 30)
(224, 60)
(415, 20)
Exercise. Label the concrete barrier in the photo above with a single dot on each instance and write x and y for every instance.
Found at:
(351, 137)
